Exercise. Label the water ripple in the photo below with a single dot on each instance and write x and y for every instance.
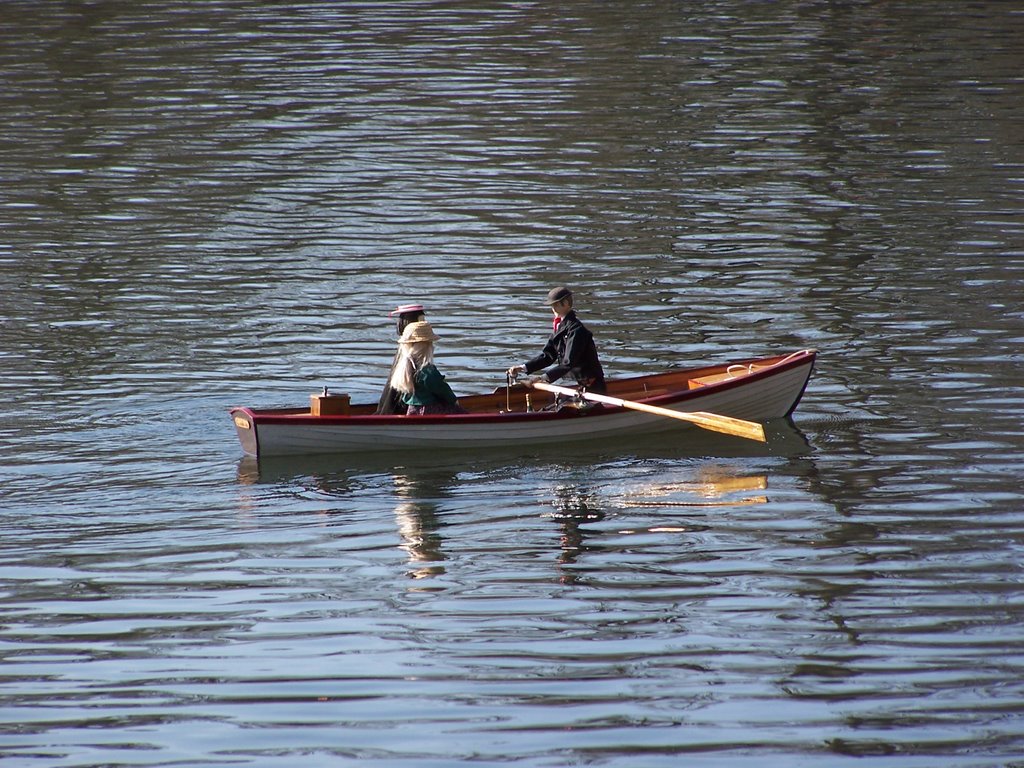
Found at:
(212, 204)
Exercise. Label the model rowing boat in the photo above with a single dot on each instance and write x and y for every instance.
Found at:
(756, 390)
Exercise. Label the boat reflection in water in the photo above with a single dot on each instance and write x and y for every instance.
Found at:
(580, 496)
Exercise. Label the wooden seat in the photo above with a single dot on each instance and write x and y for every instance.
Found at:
(703, 381)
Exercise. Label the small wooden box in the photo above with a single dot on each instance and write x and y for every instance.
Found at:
(329, 405)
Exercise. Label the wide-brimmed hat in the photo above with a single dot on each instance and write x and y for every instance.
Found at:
(417, 332)
(557, 294)
(404, 309)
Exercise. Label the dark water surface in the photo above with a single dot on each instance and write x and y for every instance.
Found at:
(213, 203)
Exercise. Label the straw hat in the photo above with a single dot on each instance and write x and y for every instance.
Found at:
(417, 332)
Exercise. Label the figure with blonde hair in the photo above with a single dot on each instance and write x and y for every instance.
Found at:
(420, 384)
(390, 401)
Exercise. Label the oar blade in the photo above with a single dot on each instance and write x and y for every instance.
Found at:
(729, 426)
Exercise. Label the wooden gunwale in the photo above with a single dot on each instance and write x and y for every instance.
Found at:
(672, 388)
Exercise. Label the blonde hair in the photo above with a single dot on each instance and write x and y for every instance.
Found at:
(411, 359)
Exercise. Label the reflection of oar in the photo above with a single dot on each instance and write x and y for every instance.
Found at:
(730, 426)
(736, 503)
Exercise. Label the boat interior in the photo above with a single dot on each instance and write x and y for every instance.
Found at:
(519, 397)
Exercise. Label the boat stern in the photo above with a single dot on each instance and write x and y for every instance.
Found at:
(245, 426)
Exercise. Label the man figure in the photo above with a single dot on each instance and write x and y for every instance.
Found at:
(569, 349)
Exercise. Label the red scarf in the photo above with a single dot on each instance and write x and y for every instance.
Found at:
(555, 323)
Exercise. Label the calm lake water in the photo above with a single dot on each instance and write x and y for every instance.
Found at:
(216, 203)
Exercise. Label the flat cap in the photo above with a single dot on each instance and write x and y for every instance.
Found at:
(557, 294)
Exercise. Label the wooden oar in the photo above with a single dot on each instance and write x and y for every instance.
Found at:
(726, 424)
